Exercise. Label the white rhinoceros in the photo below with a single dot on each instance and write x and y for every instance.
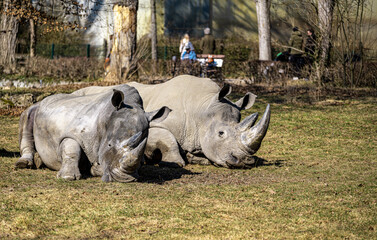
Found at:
(109, 129)
(203, 123)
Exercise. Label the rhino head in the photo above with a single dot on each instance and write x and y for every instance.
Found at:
(225, 140)
(122, 150)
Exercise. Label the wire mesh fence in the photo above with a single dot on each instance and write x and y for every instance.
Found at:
(64, 50)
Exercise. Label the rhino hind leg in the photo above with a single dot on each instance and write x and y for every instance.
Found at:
(26, 138)
(162, 147)
(71, 153)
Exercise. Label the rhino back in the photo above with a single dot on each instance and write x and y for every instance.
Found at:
(189, 98)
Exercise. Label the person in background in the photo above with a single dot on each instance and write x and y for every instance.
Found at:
(295, 42)
(188, 53)
(310, 43)
(295, 50)
(185, 41)
(207, 43)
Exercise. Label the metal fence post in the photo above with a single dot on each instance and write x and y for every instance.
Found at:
(88, 50)
(52, 50)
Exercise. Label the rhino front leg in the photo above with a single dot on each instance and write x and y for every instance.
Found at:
(71, 153)
(193, 159)
(26, 138)
(162, 146)
(96, 170)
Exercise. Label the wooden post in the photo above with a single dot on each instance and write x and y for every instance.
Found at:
(154, 36)
(123, 62)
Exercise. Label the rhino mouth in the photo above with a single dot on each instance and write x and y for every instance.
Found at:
(235, 162)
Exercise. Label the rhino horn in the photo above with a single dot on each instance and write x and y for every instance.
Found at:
(127, 170)
(133, 141)
(135, 149)
(247, 122)
(252, 138)
(132, 162)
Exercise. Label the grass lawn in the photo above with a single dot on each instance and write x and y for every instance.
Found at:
(316, 178)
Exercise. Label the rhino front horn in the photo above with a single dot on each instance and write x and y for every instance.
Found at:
(252, 138)
(134, 149)
(132, 161)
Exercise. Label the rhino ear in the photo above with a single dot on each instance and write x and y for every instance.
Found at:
(227, 89)
(117, 99)
(158, 115)
(246, 102)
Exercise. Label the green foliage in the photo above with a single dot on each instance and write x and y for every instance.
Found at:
(7, 102)
(64, 37)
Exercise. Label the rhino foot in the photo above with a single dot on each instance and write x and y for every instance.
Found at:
(96, 170)
(172, 159)
(162, 148)
(71, 152)
(24, 163)
(69, 174)
(171, 164)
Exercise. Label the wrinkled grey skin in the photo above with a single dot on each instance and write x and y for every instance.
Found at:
(203, 123)
(109, 128)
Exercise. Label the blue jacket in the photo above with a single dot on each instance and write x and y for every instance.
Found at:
(191, 55)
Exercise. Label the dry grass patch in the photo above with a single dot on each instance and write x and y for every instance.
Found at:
(315, 178)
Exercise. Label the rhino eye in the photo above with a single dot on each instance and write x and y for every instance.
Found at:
(221, 134)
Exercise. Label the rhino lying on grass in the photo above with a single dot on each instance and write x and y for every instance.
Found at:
(109, 129)
(203, 123)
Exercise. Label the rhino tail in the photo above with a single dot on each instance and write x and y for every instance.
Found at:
(26, 138)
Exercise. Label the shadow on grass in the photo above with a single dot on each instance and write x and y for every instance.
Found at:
(260, 162)
(159, 175)
(6, 153)
(156, 174)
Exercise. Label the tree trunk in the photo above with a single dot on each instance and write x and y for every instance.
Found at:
(32, 37)
(264, 29)
(154, 35)
(123, 63)
(325, 17)
(8, 37)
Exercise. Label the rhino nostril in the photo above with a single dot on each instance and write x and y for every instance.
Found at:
(236, 162)
(233, 160)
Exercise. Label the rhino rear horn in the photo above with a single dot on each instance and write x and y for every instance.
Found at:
(247, 122)
(252, 138)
